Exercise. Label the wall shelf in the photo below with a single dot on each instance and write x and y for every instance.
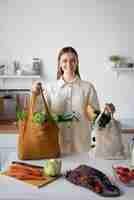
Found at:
(123, 69)
(19, 76)
(120, 70)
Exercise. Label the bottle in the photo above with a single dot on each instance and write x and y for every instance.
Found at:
(17, 68)
(132, 152)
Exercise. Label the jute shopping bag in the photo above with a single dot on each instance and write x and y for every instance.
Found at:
(37, 141)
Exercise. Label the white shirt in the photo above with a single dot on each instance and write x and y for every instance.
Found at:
(73, 96)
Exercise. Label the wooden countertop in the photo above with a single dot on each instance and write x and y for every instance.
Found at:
(10, 127)
(128, 131)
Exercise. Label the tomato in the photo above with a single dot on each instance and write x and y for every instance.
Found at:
(46, 125)
(131, 174)
(126, 169)
(98, 186)
(122, 170)
(98, 189)
(125, 179)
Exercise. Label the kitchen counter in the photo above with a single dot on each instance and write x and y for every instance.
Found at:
(60, 189)
(8, 127)
(126, 123)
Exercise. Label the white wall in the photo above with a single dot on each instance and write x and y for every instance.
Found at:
(96, 29)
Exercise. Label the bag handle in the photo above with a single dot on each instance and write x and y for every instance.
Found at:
(44, 100)
(33, 102)
(45, 104)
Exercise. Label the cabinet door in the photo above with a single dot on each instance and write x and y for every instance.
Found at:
(8, 145)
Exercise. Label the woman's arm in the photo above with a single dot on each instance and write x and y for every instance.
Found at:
(36, 90)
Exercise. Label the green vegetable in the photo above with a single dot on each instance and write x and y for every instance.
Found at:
(20, 115)
(55, 117)
(52, 167)
(38, 117)
(66, 116)
(95, 115)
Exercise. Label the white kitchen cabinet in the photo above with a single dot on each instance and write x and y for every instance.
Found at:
(127, 138)
(8, 144)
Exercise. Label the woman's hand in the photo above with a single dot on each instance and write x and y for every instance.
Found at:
(36, 88)
(110, 108)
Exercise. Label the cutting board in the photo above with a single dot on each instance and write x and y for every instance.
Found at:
(36, 183)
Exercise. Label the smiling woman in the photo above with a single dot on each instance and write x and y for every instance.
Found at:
(68, 63)
(71, 94)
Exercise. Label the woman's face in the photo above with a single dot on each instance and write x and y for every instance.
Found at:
(68, 63)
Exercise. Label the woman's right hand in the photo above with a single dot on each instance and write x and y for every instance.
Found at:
(36, 88)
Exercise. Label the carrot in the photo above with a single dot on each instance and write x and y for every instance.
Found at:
(29, 170)
(23, 176)
(27, 164)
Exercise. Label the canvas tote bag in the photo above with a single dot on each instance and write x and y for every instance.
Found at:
(37, 141)
(109, 141)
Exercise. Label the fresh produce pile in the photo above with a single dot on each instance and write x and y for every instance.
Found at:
(92, 179)
(24, 171)
(41, 117)
(84, 175)
(124, 174)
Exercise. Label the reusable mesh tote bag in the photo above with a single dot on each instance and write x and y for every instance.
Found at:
(108, 139)
(109, 142)
(37, 140)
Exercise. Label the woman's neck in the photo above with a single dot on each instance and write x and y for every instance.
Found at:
(69, 77)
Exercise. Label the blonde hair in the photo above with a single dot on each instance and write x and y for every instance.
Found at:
(63, 51)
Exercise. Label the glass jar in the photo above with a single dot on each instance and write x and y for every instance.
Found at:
(36, 65)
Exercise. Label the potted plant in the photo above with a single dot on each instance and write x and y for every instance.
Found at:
(116, 59)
